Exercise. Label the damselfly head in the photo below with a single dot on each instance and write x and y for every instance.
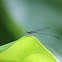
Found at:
(30, 32)
(57, 37)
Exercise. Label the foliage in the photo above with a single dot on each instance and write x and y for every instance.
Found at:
(26, 49)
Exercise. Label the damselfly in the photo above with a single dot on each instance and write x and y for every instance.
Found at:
(37, 31)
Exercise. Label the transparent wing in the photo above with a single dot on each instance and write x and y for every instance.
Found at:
(51, 35)
(42, 29)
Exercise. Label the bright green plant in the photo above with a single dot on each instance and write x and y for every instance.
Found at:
(26, 49)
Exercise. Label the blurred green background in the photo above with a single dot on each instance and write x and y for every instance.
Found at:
(19, 16)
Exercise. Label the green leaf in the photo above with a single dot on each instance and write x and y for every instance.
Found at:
(26, 49)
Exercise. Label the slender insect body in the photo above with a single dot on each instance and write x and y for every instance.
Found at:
(36, 31)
